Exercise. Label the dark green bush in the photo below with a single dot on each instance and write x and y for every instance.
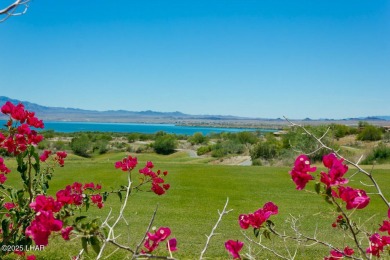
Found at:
(268, 148)
(80, 144)
(197, 138)
(227, 147)
(370, 133)
(203, 150)
(165, 144)
(379, 154)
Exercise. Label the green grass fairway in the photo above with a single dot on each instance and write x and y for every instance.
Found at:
(197, 191)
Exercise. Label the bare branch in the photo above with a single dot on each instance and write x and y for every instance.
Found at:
(221, 214)
(11, 10)
(147, 230)
(111, 236)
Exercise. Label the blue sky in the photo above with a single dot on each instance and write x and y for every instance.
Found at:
(268, 59)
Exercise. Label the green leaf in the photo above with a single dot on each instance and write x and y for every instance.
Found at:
(270, 224)
(36, 167)
(317, 187)
(328, 200)
(95, 243)
(78, 219)
(267, 234)
(5, 227)
(120, 196)
(256, 231)
(84, 244)
(105, 196)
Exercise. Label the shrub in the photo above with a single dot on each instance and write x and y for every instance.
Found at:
(203, 150)
(247, 137)
(197, 138)
(370, 133)
(379, 154)
(59, 145)
(227, 147)
(340, 131)
(266, 149)
(165, 144)
(80, 144)
(131, 138)
(298, 140)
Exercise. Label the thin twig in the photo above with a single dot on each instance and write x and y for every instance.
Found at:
(221, 214)
(111, 236)
(146, 233)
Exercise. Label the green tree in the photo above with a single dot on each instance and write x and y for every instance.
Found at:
(379, 154)
(298, 140)
(267, 148)
(80, 144)
(247, 137)
(165, 144)
(370, 133)
(197, 138)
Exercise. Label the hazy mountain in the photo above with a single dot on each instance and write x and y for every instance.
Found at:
(148, 116)
(75, 114)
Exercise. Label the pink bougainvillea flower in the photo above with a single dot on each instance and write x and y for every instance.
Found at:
(149, 164)
(299, 173)
(377, 243)
(355, 198)
(234, 248)
(69, 196)
(127, 164)
(9, 205)
(157, 189)
(92, 186)
(7, 108)
(243, 221)
(153, 240)
(172, 245)
(334, 255)
(348, 251)
(24, 129)
(160, 235)
(98, 200)
(3, 168)
(2, 178)
(60, 156)
(77, 187)
(19, 113)
(271, 207)
(42, 226)
(257, 219)
(44, 155)
(385, 227)
(31, 257)
(2, 137)
(45, 203)
(65, 232)
(336, 171)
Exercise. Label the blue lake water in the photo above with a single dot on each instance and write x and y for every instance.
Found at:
(69, 127)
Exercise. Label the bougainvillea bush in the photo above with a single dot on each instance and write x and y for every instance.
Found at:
(29, 216)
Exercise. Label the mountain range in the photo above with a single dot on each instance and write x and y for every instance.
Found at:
(81, 115)
(148, 116)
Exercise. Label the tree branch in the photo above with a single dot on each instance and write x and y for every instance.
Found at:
(221, 214)
(11, 9)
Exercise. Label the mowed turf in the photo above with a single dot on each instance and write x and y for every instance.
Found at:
(198, 191)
